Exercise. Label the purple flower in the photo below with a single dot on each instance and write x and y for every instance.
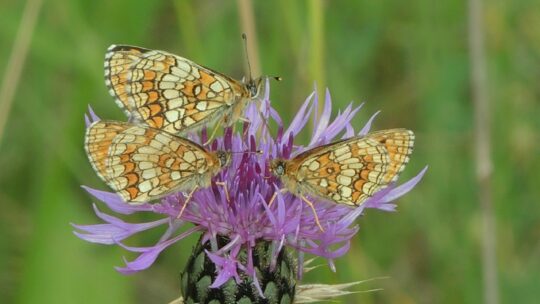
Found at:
(238, 210)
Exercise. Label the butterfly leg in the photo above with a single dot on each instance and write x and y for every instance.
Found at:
(186, 202)
(274, 197)
(224, 185)
(310, 204)
(214, 132)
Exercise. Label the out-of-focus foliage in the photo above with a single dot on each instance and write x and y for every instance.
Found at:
(406, 58)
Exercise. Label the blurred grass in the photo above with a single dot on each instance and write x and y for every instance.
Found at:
(408, 59)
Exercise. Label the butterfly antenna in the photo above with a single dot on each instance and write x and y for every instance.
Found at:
(244, 37)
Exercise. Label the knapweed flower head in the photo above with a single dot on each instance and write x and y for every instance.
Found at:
(233, 215)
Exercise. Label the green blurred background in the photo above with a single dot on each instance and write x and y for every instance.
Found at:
(409, 59)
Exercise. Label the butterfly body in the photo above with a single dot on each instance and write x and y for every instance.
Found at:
(172, 93)
(141, 163)
(348, 171)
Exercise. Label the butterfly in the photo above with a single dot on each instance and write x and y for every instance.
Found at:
(348, 171)
(141, 163)
(172, 93)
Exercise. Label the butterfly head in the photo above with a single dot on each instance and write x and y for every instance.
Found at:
(254, 86)
(278, 167)
(224, 158)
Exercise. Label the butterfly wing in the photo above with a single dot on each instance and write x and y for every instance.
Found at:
(350, 171)
(399, 145)
(142, 163)
(166, 91)
(98, 139)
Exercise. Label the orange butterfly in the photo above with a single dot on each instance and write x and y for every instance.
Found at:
(172, 93)
(348, 171)
(141, 163)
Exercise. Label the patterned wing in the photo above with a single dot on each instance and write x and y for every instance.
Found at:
(352, 170)
(98, 139)
(166, 91)
(399, 145)
(142, 163)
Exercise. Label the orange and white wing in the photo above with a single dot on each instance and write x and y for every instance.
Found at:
(399, 145)
(97, 141)
(350, 171)
(142, 163)
(166, 91)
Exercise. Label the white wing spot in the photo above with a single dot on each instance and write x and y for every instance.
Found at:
(179, 72)
(189, 156)
(197, 90)
(346, 191)
(170, 78)
(343, 156)
(171, 115)
(183, 65)
(145, 165)
(201, 106)
(149, 173)
(175, 103)
(171, 94)
(348, 172)
(118, 149)
(166, 85)
(156, 144)
(216, 86)
(145, 186)
(314, 165)
(147, 150)
(344, 180)
(341, 150)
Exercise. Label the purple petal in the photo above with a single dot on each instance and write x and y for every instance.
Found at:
(257, 284)
(218, 260)
(226, 269)
(301, 117)
(404, 188)
(376, 200)
(349, 131)
(150, 254)
(367, 126)
(99, 238)
(93, 115)
(266, 86)
(340, 251)
(116, 229)
(269, 213)
(342, 121)
(143, 261)
(352, 216)
(174, 225)
(322, 122)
